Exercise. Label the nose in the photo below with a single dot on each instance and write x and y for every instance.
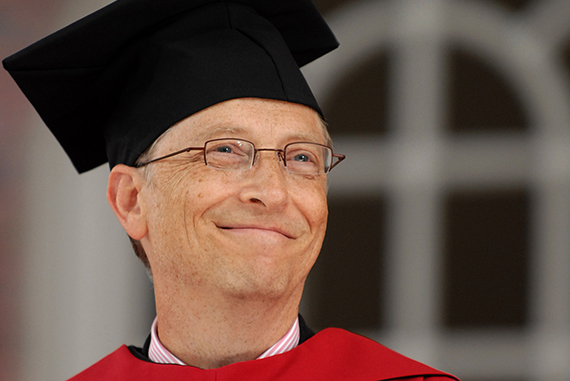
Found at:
(266, 181)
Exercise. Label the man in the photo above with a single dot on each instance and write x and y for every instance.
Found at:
(218, 159)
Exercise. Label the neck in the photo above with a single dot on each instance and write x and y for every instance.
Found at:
(220, 330)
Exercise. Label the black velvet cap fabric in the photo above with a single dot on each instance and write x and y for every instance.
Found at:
(110, 84)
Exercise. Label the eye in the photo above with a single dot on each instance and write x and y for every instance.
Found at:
(224, 149)
(301, 157)
(302, 160)
(229, 154)
(307, 158)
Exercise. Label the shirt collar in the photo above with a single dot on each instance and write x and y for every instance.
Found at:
(160, 355)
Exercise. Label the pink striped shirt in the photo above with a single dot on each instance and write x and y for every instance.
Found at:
(159, 354)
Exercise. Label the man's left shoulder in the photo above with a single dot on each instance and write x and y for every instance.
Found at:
(355, 355)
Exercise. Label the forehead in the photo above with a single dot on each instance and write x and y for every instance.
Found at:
(263, 121)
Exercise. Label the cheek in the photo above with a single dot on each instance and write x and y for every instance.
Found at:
(316, 213)
(314, 206)
(192, 198)
(170, 201)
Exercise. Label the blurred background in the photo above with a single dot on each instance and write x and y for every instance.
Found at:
(449, 229)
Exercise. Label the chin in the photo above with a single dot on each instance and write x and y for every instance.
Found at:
(262, 286)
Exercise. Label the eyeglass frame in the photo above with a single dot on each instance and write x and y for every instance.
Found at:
(280, 154)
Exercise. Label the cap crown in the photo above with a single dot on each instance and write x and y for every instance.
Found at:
(108, 85)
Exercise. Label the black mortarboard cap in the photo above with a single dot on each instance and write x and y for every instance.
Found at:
(111, 83)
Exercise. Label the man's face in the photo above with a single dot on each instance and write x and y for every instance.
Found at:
(240, 233)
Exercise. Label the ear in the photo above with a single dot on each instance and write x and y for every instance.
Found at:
(123, 194)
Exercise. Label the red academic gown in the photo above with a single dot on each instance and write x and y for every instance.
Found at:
(332, 354)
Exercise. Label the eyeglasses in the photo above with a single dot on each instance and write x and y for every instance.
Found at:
(305, 158)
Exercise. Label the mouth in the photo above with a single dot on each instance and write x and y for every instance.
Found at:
(256, 229)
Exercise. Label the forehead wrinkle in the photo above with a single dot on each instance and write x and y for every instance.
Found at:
(220, 131)
(306, 137)
(239, 132)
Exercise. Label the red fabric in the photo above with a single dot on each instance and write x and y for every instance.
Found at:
(332, 354)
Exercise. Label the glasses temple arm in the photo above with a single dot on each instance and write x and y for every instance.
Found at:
(339, 157)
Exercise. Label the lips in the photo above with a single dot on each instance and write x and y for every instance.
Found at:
(259, 228)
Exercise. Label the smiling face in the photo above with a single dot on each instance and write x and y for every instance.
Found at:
(239, 233)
